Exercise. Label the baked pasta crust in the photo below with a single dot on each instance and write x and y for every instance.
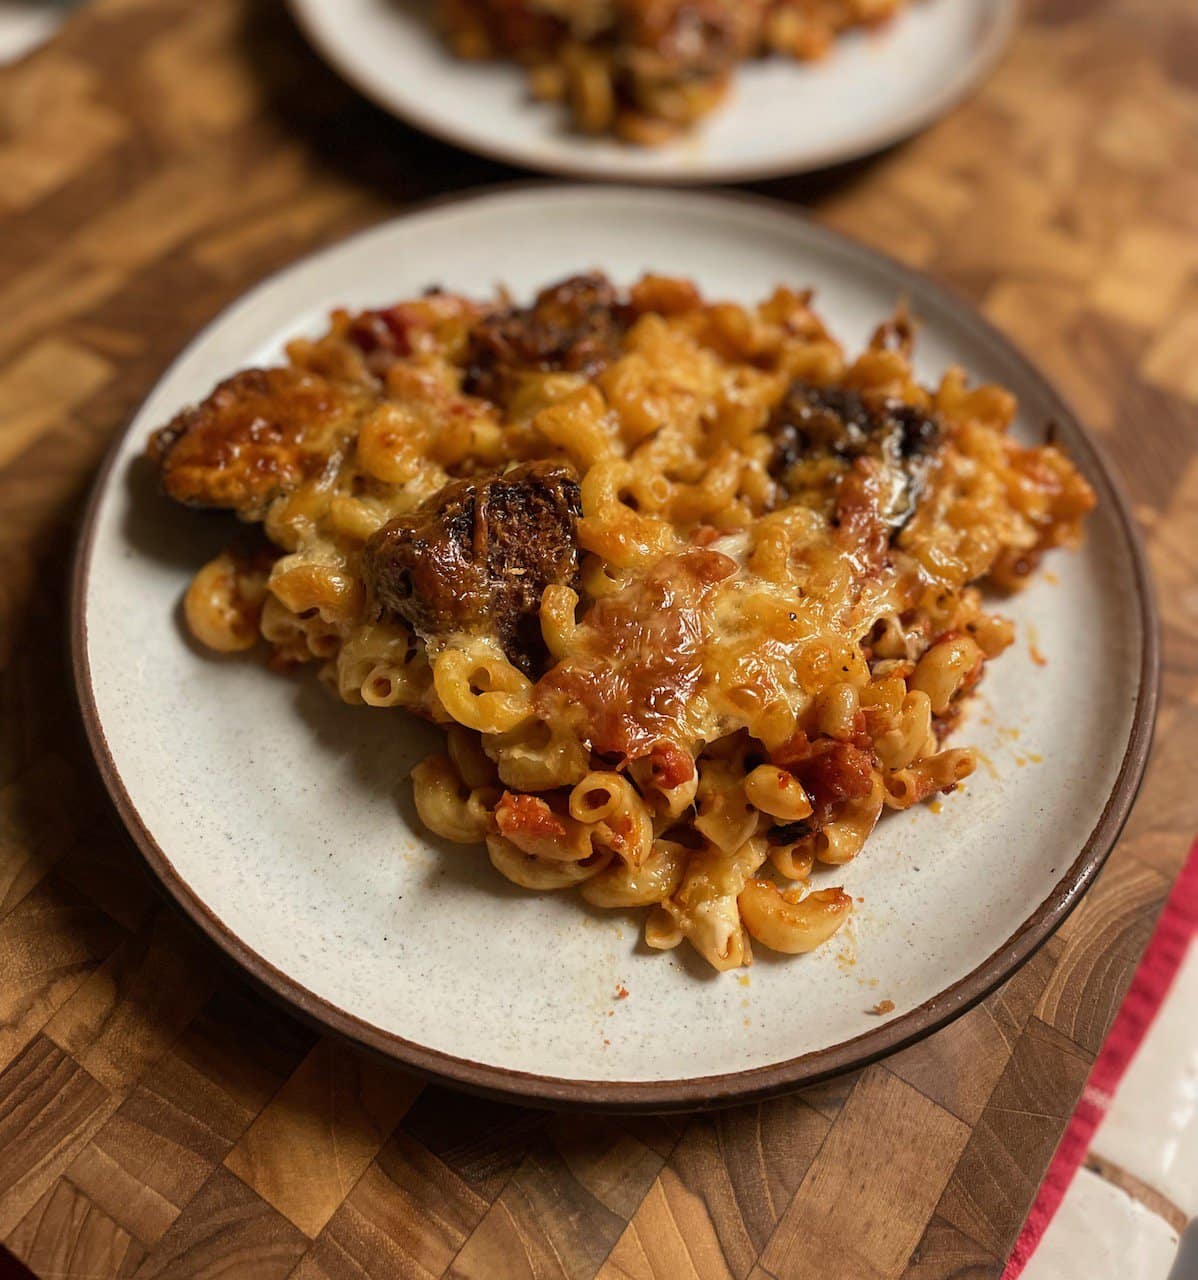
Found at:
(696, 596)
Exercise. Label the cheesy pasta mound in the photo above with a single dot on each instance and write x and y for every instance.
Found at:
(646, 70)
(695, 596)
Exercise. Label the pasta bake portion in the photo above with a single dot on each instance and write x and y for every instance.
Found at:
(646, 70)
(695, 595)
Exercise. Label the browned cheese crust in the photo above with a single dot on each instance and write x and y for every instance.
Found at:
(256, 437)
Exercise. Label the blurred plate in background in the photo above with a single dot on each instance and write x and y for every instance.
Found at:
(781, 116)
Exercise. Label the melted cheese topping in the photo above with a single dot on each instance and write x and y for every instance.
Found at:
(781, 552)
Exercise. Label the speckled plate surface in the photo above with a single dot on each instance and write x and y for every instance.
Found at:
(281, 820)
(781, 116)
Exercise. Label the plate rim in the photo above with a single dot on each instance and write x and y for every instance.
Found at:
(694, 1092)
(891, 132)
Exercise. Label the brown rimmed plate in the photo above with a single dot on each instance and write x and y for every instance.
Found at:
(280, 819)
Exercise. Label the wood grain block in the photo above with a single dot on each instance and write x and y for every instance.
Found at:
(1131, 135)
(1107, 932)
(104, 1173)
(49, 943)
(889, 1146)
(961, 1065)
(1157, 466)
(48, 292)
(745, 1167)
(182, 1118)
(408, 1215)
(263, 237)
(152, 1157)
(1105, 350)
(718, 1201)
(1042, 317)
(1012, 1143)
(672, 1234)
(35, 827)
(1146, 276)
(49, 1109)
(228, 1064)
(555, 1215)
(602, 1156)
(124, 1017)
(50, 130)
(106, 868)
(829, 1098)
(197, 91)
(226, 1230)
(660, 1133)
(43, 383)
(316, 1137)
(483, 1143)
(1173, 549)
(1169, 362)
(65, 1236)
(947, 1253)
(159, 1117)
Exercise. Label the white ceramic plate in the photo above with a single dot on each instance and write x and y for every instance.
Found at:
(781, 116)
(282, 819)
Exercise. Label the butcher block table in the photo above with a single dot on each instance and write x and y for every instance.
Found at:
(158, 1116)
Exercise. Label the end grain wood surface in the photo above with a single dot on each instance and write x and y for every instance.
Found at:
(158, 1118)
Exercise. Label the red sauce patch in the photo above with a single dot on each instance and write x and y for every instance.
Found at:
(830, 771)
(670, 766)
(528, 816)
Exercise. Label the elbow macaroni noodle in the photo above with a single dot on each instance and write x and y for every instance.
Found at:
(752, 663)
